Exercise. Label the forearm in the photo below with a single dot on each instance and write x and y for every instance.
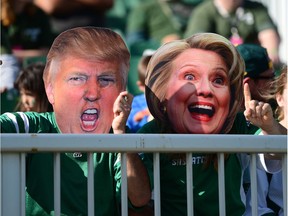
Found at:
(30, 53)
(275, 129)
(139, 192)
(270, 39)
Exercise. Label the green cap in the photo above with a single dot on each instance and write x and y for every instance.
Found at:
(256, 59)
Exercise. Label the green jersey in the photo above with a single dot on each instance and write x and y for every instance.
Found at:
(249, 19)
(74, 169)
(205, 182)
(242, 126)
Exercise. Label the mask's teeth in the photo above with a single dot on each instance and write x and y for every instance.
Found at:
(91, 111)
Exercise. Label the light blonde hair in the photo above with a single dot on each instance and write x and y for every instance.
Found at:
(159, 71)
(91, 43)
(277, 87)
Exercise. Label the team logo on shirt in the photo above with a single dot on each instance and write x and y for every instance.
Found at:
(182, 162)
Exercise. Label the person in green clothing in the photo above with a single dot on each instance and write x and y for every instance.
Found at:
(241, 21)
(85, 78)
(194, 86)
(154, 22)
(9, 65)
(30, 33)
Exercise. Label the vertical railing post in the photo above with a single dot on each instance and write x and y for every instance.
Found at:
(57, 187)
(156, 173)
(284, 183)
(124, 196)
(11, 184)
(23, 183)
(90, 184)
(253, 178)
(221, 184)
(189, 184)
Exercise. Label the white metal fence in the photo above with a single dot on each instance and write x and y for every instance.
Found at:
(15, 146)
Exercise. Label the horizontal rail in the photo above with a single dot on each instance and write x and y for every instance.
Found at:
(143, 143)
(15, 144)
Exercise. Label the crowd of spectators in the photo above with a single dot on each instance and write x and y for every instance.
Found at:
(154, 32)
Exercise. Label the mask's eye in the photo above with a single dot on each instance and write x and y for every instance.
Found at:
(221, 80)
(76, 80)
(106, 81)
(189, 77)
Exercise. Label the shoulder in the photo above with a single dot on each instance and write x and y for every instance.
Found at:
(28, 122)
(241, 126)
(204, 6)
(151, 127)
(253, 5)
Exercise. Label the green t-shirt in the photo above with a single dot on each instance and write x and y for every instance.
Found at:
(39, 169)
(242, 126)
(251, 18)
(31, 29)
(147, 24)
(205, 179)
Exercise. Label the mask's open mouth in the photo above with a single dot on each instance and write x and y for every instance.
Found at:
(89, 117)
(202, 110)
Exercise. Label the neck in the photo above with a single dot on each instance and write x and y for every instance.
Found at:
(227, 5)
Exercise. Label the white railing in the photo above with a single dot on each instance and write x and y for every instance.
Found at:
(15, 146)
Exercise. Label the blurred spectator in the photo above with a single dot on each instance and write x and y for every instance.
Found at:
(9, 64)
(241, 21)
(66, 14)
(31, 87)
(29, 32)
(269, 186)
(9, 67)
(154, 22)
(259, 73)
(117, 16)
(140, 114)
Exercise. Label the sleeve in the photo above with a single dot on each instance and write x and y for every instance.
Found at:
(200, 20)
(147, 159)
(14, 123)
(28, 122)
(262, 18)
(269, 165)
(46, 31)
(117, 175)
(136, 24)
(137, 106)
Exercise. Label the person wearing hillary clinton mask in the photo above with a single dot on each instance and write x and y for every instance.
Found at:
(195, 86)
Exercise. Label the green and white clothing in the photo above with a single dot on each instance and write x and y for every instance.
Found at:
(147, 24)
(39, 169)
(205, 179)
(249, 19)
(242, 126)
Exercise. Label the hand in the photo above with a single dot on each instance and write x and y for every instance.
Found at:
(141, 114)
(121, 109)
(258, 113)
